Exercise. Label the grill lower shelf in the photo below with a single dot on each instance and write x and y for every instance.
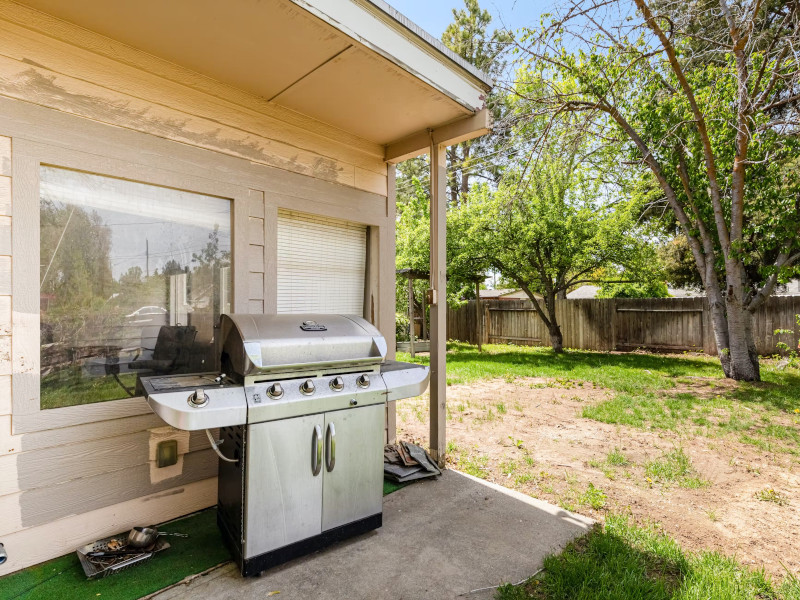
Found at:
(256, 565)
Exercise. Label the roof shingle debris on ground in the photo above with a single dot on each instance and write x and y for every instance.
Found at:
(406, 462)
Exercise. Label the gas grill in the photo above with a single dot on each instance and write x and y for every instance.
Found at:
(300, 407)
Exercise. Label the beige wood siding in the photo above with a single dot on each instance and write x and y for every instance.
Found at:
(321, 264)
(73, 99)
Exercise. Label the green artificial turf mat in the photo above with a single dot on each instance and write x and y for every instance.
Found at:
(63, 578)
(391, 486)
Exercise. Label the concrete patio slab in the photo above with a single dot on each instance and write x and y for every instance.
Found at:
(440, 539)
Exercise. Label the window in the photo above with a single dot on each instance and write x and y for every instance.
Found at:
(321, 264)
(133, 278)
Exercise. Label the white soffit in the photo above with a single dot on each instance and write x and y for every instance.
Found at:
(354, 64)
(343, 78)
(384, 30)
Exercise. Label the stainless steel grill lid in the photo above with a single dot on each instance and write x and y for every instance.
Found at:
(254, 345)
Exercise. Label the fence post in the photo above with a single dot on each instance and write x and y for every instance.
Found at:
(613, 324)
(478, 315)
(411, 315)
(487, 323)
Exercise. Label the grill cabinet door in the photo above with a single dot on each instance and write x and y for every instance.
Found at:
(283, 497)
(353, 489)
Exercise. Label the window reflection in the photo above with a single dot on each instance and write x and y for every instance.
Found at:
(132, 279)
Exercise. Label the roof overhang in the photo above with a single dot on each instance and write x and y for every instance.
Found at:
(355, 64)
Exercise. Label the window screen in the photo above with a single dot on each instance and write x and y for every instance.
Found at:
(321, 264)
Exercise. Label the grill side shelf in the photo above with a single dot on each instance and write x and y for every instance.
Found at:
(404, 380)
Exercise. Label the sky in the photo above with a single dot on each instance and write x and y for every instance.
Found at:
(435, 15)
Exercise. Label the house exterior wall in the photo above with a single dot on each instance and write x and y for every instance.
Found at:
(73, 99)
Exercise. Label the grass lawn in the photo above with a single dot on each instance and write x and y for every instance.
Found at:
(686, 393)
(625, 561)
(672, 402)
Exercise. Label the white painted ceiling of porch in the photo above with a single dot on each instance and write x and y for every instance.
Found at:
(276, 50)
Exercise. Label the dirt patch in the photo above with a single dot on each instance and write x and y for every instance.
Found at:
(528, 434)
(703, 387)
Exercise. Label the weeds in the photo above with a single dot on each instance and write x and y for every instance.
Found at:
(516, 442)
(770, 495)
(475, 466)
(674, 467)
(617, 458)
(613, 460)
(593, 497)
(508, 467)
(523, 478)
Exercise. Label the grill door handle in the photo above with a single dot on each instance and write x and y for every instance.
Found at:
(316, 450)
(330, 447)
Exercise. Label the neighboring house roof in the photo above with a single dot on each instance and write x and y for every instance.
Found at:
(590, 291)
(492, 294)
(584, 291)
(790, 289)
(504, 293)
(684, 293)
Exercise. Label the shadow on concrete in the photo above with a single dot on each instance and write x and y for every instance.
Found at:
(440, 539)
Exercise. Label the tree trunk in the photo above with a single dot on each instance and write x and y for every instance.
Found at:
(556, 339)
(452, 178)
(733, 332)
(743, 356)
(464, 172)
(549, 319)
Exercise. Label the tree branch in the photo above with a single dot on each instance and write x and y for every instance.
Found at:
(708, 153)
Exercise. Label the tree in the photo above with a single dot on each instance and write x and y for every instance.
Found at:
(649, 289)
(545, 230)
(678, 263)
(705, 96)
(467, 36)
(412, 242)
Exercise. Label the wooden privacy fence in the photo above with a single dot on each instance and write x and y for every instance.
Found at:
(661, 324)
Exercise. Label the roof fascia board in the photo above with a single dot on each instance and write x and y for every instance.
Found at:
(431, 41)
(447, 135)
(381, 32)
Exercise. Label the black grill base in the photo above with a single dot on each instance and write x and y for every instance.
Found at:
(256, 565)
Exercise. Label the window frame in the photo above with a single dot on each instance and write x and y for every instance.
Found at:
(29, 156)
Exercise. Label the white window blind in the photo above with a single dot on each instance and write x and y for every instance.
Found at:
(321, 264)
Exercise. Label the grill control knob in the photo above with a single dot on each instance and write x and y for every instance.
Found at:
(307, 387)
(198, 399)
(363, 381)
(337, 384)
(275, 391)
